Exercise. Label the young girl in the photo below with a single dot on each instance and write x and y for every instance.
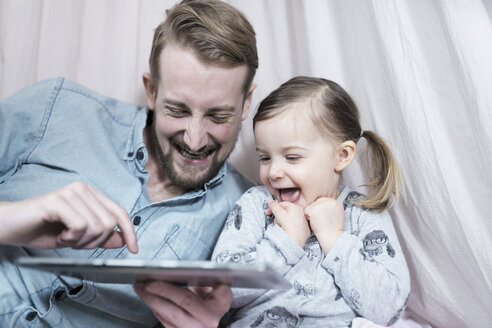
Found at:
(338, 248)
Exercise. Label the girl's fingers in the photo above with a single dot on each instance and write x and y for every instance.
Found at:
(275, 208)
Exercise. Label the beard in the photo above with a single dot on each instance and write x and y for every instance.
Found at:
(191, 177)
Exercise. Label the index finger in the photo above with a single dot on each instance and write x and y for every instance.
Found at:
(275, 207)
(114, 240)
(122, 219)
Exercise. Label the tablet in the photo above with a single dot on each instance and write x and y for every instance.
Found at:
(191, 273)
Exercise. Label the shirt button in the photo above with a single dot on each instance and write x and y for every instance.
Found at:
(31, 316)
(140, 155)
(59, 294)
(76, 290)
(136, 220)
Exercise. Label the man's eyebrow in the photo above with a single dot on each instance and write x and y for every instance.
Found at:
(225, 108)
(174, 103)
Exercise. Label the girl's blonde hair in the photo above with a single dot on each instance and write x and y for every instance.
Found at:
(336, 115)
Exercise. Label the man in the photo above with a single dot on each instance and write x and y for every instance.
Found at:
(69, 152)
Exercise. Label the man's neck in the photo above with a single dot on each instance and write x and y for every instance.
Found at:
(159, 187)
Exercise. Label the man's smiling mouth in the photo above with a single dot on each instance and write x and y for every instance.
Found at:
(194, 155)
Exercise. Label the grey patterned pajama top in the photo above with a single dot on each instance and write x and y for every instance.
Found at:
(364, 274)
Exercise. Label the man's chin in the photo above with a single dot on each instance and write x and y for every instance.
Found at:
(194, 177)
(190, 173)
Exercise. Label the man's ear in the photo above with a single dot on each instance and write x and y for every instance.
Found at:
(149, 89)
(247, 101)
(346, 154)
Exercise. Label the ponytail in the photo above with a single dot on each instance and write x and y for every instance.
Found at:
(387, 180)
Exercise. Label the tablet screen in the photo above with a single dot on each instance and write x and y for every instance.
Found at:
(191, 273)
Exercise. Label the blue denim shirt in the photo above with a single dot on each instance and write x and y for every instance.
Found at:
(55, 132)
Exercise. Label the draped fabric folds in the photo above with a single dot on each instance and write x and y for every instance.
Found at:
(420, 71)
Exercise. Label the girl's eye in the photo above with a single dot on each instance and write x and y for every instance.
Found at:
(264, 159)
(292, 157)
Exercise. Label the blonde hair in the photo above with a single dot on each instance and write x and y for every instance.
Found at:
(337, 116)
(217, 32)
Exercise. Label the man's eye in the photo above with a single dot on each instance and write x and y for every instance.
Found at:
(220, 118)
(175, 112)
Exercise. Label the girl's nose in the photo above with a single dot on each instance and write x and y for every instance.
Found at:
(276, 172)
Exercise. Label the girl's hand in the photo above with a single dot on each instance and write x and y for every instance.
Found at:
(290, 217)
(326, 218)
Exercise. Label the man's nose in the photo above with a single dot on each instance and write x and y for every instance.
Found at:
(195, 135)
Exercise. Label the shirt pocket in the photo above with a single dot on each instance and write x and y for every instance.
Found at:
(181, 243)
(46, 316)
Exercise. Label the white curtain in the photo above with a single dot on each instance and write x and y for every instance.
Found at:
(420, 71)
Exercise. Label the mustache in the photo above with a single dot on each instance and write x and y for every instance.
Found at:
(198, 154)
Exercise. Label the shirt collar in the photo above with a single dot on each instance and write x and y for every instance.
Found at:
(135, 141)
(218, 177)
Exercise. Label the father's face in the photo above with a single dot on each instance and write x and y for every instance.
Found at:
(197, 116)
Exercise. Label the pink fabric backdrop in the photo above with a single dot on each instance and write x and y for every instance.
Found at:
(421, 72)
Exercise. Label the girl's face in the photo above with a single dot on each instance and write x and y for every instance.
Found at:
(297, 164)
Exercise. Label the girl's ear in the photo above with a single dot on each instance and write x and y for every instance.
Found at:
(346, 154)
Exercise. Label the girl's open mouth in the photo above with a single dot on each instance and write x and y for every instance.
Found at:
(291, 195)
